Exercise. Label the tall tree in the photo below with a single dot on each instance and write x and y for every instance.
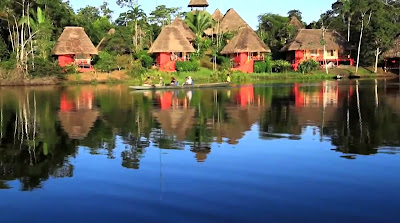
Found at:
(162, 15)
(365, 11)
(296, 13)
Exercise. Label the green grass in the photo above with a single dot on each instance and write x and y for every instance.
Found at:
(205, 75)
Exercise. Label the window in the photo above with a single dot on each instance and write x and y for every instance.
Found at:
(313, 52)
(332, 53)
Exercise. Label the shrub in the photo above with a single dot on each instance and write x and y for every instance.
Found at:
(146, 60)
(106, 62)
(281, 65)
(187, 66)
(224, 62)
(44, 68)
(268, 63)
(136, 70)
(4, 53)
(8, 64)
(123, 61)
(308, 66)
(206, 63)
(260, 67)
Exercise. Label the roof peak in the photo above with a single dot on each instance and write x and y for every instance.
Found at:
(198, 3)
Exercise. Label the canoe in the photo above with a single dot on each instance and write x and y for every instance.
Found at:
(354, 77)
(213, 85)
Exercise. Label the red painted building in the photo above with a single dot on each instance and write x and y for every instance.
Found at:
(171, 46)
(392, 57)
(74, 47)
(307, 45)
(244, 49)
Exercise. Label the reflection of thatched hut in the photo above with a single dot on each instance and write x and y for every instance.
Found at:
(196, 4)
(184, 29)
(307, 45)
(170, 46)
(74, 47)
(295, 22)
(77, 124)
(244, 48)
(392, 56)
(241, 121)
(176, 122)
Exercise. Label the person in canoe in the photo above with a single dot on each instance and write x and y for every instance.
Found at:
(173, 81)
(148, 82)
(228, 78)
(189, 81)
(160, 83)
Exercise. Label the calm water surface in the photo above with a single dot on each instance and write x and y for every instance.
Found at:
(317, 152)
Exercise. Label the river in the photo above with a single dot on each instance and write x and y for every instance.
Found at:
(283, 152)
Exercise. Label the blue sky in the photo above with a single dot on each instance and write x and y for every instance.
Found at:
(248, 9)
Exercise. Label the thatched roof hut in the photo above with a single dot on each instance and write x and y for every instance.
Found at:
(245, 41)
(171, 40)
(73, 41)
(232, 22)
(77, 124)
(310, 39)
(198, 3)
(217, 15)
(295, 22)
(393, 52)
(184, 29)
(104, 40)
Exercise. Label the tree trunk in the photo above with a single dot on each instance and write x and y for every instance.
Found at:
(359, 43)
(377, 53)
(348, 28)
(323, 39)
(136, 36)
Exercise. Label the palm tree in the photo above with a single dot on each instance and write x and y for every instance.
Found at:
(199, 22)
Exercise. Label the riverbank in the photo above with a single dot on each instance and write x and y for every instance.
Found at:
(201, 76)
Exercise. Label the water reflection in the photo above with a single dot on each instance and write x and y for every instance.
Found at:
(42, 128)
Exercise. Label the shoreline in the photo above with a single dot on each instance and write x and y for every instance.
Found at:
(203, 76)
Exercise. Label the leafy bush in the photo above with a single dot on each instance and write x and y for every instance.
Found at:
(260, 67)
(281, 65)
(206, 63)
(186, 66)
(44, 68)
(8, 64)
(106, 62)
(4, 53)
(308, 66)
(224, 63)
(146, 60)
(136, 70)
(268, 63)
(123, 61)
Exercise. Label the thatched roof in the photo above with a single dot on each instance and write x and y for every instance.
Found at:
(393, 52)
(217, 15)
(184, 29)
(77, 124)
(74, 40)
(246, 40)
(198, 3)
(310, 39)
(232, 22)
(104, 40)
(171, 40)
(294, 21)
